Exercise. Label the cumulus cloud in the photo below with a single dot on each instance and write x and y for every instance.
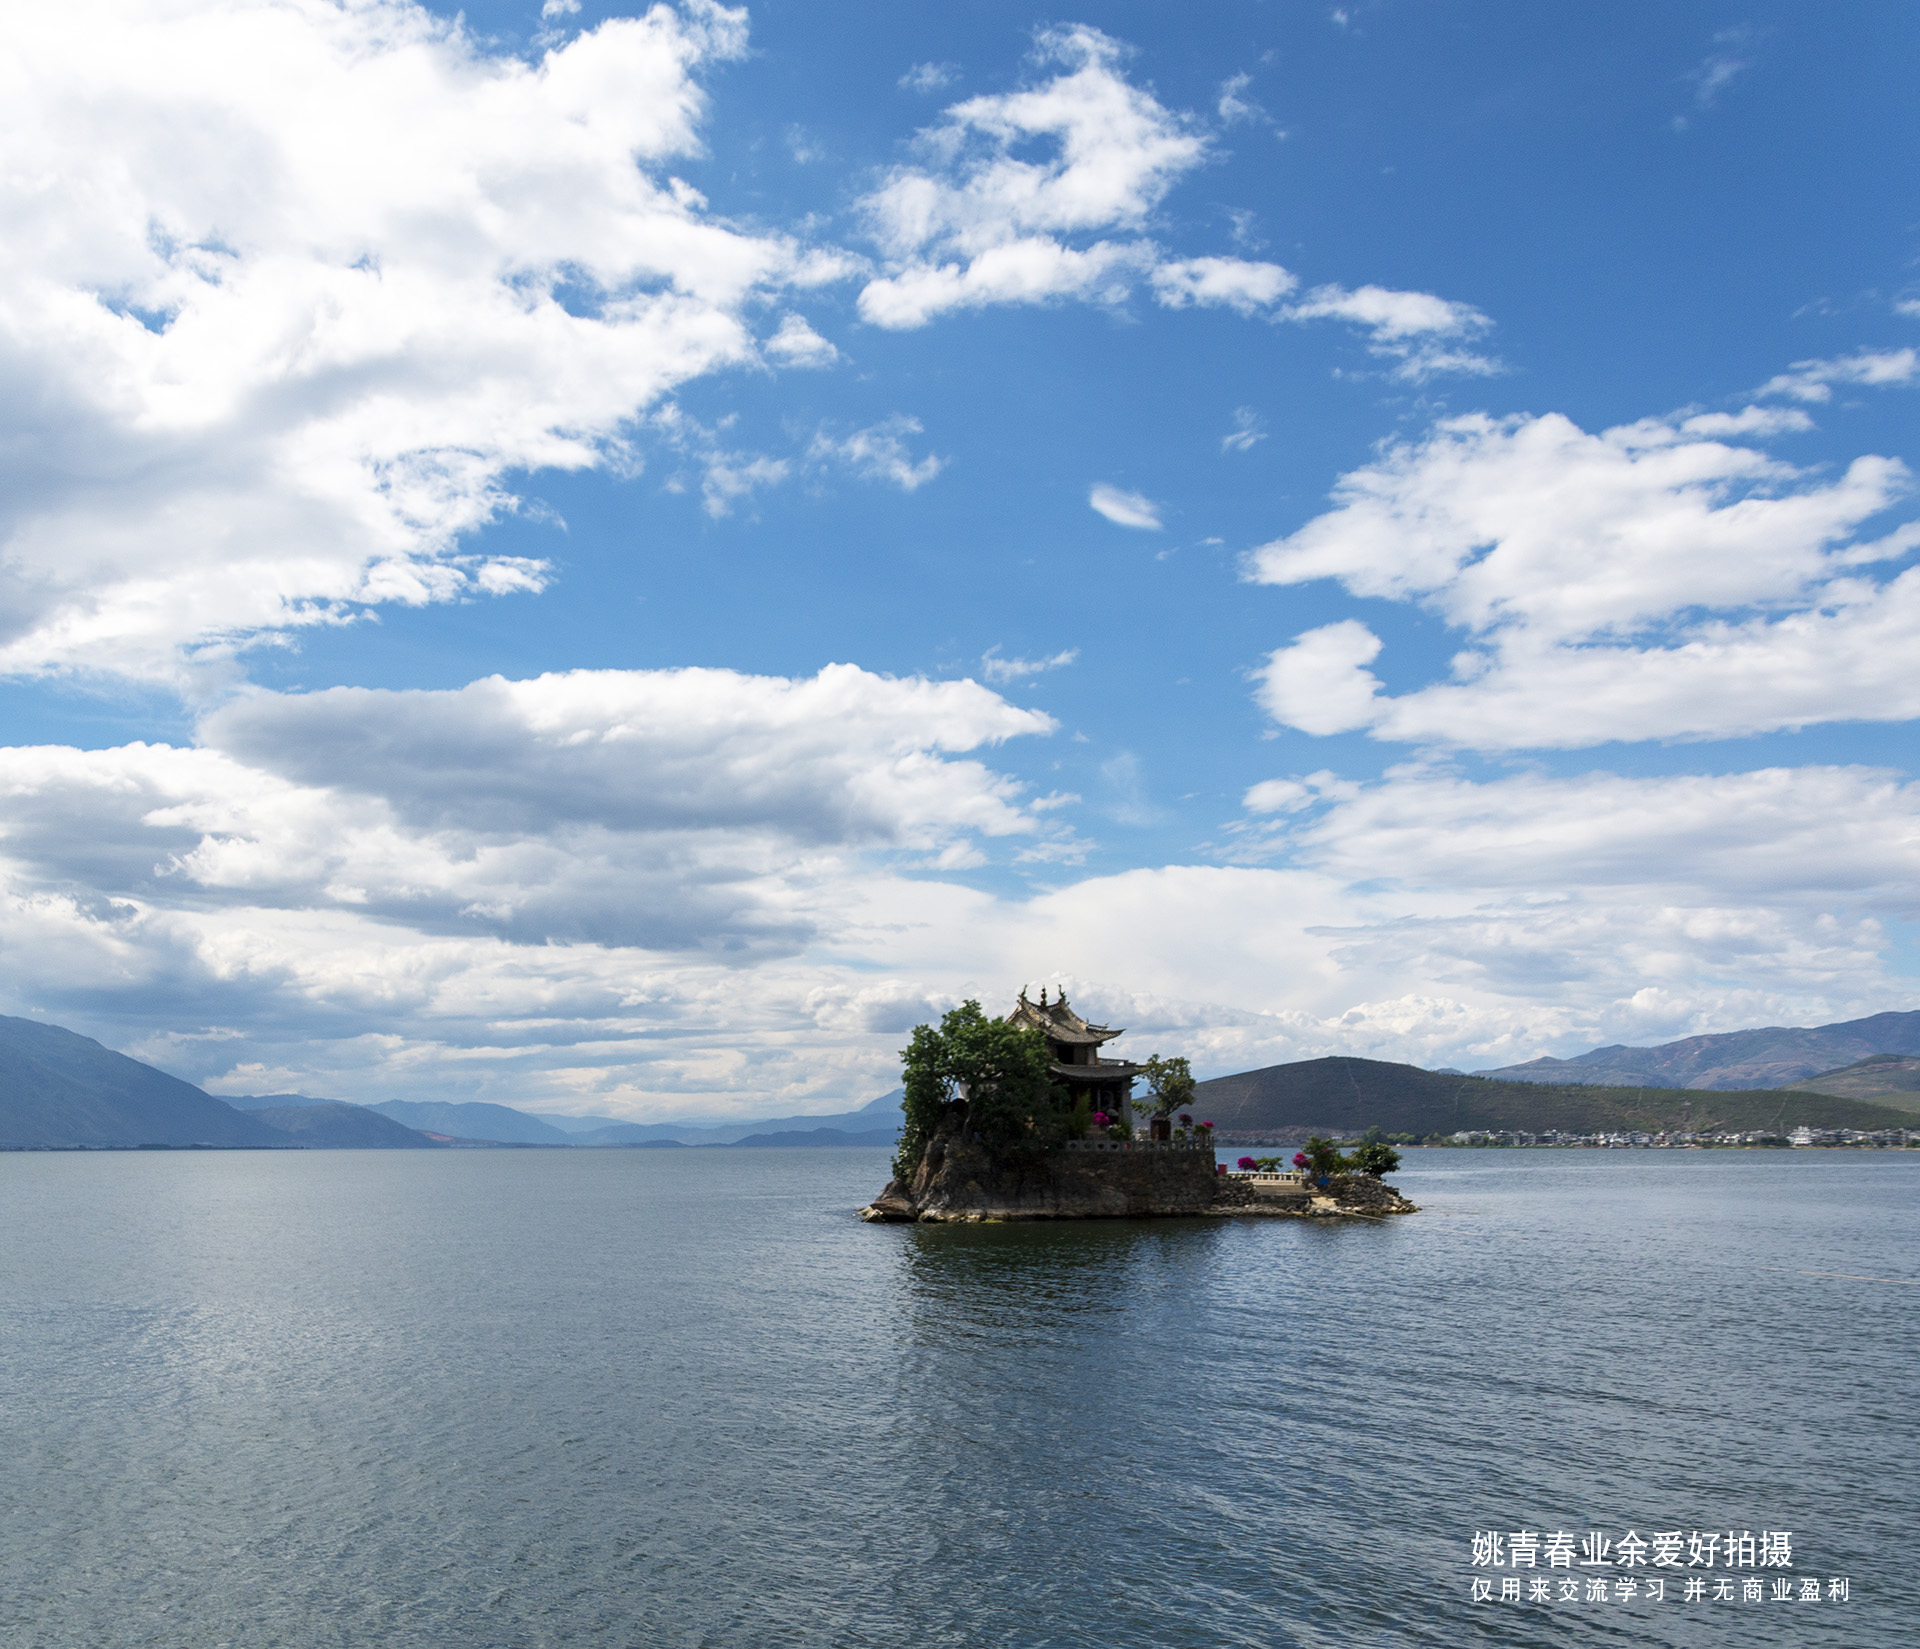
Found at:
(267, 364)
(981, 218)
(844, 756)
(979, 223)
(1618, 903)
(797, 344)
(415, 865)
(663, 893)
(1232, 283)
(1123, 508)
(1656, 580)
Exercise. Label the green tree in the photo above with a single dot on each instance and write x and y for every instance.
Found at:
(1170, 1082)
(1375, 1157)
(994, 1073)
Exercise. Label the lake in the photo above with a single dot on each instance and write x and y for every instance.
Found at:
(685, 1398)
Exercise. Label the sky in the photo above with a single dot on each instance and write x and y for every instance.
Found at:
(616, 560)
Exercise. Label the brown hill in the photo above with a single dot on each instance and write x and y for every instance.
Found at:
(1775, 1056)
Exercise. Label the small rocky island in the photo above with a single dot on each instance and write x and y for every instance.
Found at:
(1022, 1119)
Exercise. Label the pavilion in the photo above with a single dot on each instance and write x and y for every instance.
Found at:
(1075, 1046)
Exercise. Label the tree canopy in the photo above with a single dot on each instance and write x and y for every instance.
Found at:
(997, 1071)
(1170, 1082)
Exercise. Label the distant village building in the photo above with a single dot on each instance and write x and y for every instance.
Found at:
(1075, 1046)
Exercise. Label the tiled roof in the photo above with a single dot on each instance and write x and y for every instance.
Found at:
(1058, 1021)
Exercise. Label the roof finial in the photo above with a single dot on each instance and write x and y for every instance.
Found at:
(1043, 996)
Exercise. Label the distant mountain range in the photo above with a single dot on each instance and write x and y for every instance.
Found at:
(475, 1120)
(1776, 1057)
(1332, 1096)
(335, 1125)
(63, 1091)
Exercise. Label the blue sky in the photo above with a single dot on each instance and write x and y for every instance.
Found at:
(1374, 529)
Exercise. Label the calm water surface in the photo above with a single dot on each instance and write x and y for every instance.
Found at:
(684, 1398)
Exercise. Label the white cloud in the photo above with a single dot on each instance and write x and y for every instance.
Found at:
(1722, 66)
(1233, 106)
(1124, 509)
(1246, 432)
(929, 77)
(880, 453)
(1646, 582)
(1233, 283)
(275, 362)
(978, 223)
(980, 220)
(1813, 381)
(559, 8)
(515, 882)
(797, 344)
(680, 891)
(1319, 682)
(843, 756)
(1002, 670)
(730, 478)
(1424, 333)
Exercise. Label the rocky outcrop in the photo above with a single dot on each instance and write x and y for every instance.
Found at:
(1345, 1196)
(1360, 1194)
(959, 1181)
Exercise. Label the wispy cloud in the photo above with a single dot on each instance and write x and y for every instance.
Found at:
(1730, 58)
(1234, 106)
(929, 77)
(1426, 334)
(1871, 368)
(880, 453)
(1124, 509)
(1246, 431)
(998, 669)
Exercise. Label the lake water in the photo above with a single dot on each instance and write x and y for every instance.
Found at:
(684, 1398)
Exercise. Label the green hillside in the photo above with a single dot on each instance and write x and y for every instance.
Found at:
(1350, 1094)
(1886, 1079)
